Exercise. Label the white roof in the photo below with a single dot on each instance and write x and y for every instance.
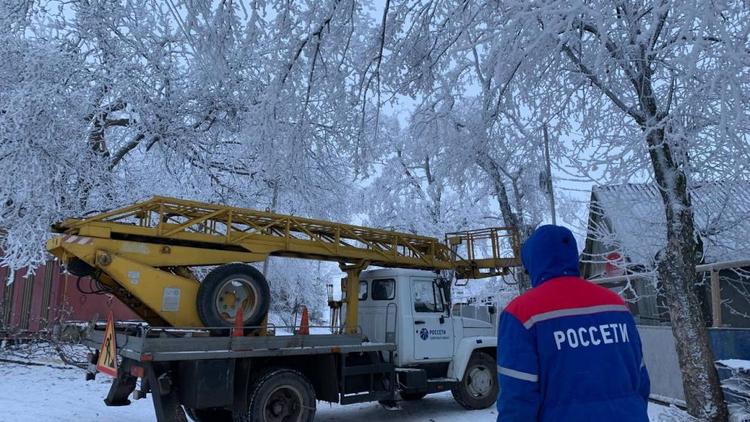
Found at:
(394, 273)
(637, 220)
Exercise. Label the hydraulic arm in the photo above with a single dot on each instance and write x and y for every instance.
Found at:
(143, 253)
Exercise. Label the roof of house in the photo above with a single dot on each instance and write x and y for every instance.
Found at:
(636, 222)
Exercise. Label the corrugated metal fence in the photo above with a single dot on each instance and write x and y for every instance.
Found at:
(35, 302)
(660, 356)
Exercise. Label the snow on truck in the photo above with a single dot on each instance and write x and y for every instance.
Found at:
(206, 348)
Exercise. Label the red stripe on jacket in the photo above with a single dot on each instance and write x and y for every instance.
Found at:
(558, 294)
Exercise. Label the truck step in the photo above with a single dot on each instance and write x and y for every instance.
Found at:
(441, 380)
(435, 385)
(365, 397)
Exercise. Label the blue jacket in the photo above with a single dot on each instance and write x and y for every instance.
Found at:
(568, 350)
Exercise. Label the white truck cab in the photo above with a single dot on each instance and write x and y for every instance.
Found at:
(436, 348)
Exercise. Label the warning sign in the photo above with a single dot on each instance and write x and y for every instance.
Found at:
(107, 362)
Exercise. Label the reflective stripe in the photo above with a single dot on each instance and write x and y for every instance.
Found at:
(525, 376)
(574, 311)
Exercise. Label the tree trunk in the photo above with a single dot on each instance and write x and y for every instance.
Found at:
(522, 278)
(510, 218)
(676, 271)
(513, 220)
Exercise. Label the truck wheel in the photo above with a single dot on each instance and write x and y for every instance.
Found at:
(229, 288)
(214, 414)
(282, 395)
(478, 389)
(412, 396)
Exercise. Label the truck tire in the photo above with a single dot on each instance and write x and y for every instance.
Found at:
(281, 395)
(412, 396)
(478, 389)
(228, 288)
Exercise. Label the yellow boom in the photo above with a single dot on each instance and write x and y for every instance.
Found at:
(143, 252)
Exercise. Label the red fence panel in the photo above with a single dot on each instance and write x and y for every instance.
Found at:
(33, 302)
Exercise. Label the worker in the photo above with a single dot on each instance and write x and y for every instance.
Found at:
(568, 350)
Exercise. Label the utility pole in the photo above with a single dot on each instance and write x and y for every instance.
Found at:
(550, 192)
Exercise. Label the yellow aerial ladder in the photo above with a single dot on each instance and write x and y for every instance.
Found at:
(143, 254)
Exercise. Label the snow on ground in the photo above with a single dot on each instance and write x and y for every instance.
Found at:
(47, 393)
(743, 365)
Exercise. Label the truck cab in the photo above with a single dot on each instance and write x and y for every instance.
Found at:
(436, 348)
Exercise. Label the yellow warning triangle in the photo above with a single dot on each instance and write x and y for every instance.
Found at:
(107, 362)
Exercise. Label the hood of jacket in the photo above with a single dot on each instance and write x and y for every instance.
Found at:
(550, 252)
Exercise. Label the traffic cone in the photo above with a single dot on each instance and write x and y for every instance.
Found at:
(238, 330)
(304, 325)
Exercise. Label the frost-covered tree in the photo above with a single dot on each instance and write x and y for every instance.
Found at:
(296, 283)
(36, 112)
(445, 55)
(255, 103)
(647, 88)
(660, 87)
(421, 187)
(498, 155)
(263, 104)
(274, 104)
(429, 180)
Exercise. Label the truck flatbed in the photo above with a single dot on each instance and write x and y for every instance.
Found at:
(339, 368)
(170, 344)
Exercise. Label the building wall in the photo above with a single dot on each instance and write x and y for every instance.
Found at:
(648, 304)
(34, 302)
(651, 309)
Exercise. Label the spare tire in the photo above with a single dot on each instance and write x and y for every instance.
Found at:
(229, 288)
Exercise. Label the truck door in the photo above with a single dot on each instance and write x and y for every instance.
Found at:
(433, 331)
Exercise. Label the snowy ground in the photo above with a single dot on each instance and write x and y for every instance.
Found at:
(59, 393)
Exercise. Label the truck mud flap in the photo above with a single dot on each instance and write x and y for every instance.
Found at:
(205, 383)
(164, 393)
(120, 389)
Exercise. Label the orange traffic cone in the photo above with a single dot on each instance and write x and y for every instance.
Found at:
(238, 330)
(304, 325)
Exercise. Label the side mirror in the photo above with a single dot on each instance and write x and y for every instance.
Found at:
(492, 310)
